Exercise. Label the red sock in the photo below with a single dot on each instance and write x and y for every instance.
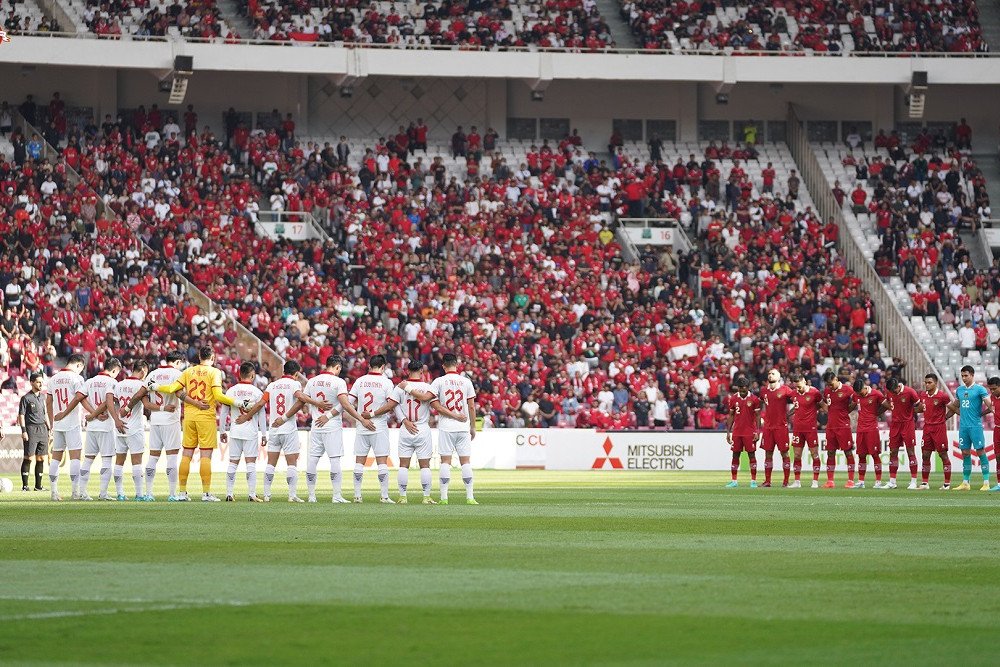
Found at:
(893, 464)
(734, 467)
(831, 462)
(862, 467)
(798, 468)
(816, 468)
(768, 465)
(850, 466)
(877, 464)
(785, 467)
(925, 472)
(913, 464)
(946, 467)
(753, 466)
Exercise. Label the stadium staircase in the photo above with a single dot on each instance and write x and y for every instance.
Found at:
(899, 333)
(230, 10)
(248, 345)
(989, 21)
(611, 12)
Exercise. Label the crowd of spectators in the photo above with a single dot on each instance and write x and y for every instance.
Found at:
(26, 16)
(193, 18)
(834, 27)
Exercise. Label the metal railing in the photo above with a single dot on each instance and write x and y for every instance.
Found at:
(248, 345)
(897, 335)
(297, 225)
(502, 49)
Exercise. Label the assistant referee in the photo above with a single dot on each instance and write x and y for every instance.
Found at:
(35, 428)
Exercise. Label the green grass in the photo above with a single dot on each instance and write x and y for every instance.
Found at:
(567, 568)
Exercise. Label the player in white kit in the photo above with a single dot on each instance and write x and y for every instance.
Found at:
(246, 438)
(371, 393)
(456, 393)
(130, 439)
(413, 400)
(100, 439)
(66, 393)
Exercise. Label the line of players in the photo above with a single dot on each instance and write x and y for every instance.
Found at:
(252, 419)
(764, 420)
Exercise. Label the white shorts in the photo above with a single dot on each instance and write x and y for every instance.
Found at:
(134, 443)
(454, 442)
(366, 442)
(419, 444)
(63, 440)
(239, 448)
(286, 443)
(100, 443)
(326, 443)
(165, 436)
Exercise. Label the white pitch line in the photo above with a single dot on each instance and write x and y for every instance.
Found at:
(101, 612)
(100, 598)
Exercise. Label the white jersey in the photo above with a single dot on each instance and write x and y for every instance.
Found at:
(326, 387)
(453, 390)
(64, 386)
(245, 396)
(97, 389)
(164, 375)
(417, 411)
(280, 395)
(124, 391)
(371, 392)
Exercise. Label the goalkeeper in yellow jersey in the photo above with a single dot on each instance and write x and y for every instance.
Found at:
(201, 383)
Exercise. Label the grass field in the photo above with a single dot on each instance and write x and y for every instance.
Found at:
(552, 568)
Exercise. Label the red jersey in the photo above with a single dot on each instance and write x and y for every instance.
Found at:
(839, 406)
(806, 406)
(776, 402)
(995, 400)
(744, 411)
(902, 404)
(868, 408)
(935, 407)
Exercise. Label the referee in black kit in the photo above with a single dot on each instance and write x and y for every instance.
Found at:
(35, 429)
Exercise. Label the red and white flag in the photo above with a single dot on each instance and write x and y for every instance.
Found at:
(681, 348)
(4, 37)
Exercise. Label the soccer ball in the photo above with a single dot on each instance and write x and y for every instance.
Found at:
(6, 486)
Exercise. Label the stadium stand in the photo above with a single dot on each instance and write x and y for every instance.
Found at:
(26, 16)
(816, 27)
(161, 18)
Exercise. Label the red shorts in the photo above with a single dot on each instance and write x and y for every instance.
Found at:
(902, 435)
(775, 437)
(869, 443)
(805, 439)
(744, 443)
(839, 439)
(936, 439)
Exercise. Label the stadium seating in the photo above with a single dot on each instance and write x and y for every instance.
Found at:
(26, 16)
(160, 18)
(824, 27)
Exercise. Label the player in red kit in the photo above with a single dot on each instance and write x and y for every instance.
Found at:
(806, 403)
(776, 398)
(743, 428)
(994, 385)
(870, 406)
(902, 402)
(935, 404)
(839, 399)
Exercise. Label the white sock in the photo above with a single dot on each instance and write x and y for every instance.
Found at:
(151, 473)
(359, 474)
(172, 461)
(292, 475)
(119, 482)
(467, 478)
(54, 475)
(231, 477)
(383, 479)
(402, 479)
(74, 474)
(445, 477)
(138, 475)
(336, 476)
(268, 478)
(85, 474)
(425, 481)
(105, 474)
(252, 478)
(311, 475)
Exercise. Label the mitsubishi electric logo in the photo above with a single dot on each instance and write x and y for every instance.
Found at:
(613, 461)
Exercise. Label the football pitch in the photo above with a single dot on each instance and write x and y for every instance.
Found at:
(551, 568)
